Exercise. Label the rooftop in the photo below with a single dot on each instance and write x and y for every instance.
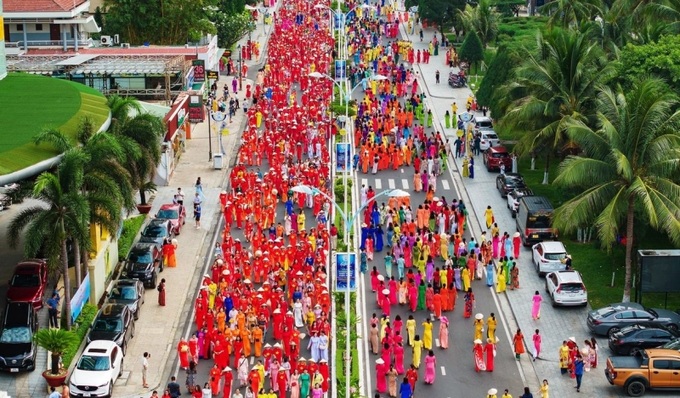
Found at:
(40, 5)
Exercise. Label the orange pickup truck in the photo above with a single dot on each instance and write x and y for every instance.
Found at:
(657, 369)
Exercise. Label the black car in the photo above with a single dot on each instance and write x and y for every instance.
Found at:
(157, 231)
(114, 322)
(141, 263)
(129, 292)
(508, 182)
(17, 348)
(631, 339)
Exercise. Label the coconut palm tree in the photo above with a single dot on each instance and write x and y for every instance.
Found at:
(482, 18)
(63, 214)
(555, 84)
(630, 168)
(570, 13)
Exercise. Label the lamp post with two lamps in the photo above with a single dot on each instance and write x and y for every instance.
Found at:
(348, 223)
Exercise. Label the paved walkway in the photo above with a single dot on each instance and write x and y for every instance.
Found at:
(555, 324)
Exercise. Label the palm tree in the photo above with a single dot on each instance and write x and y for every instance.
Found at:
(570, 13)
(631, 168)
(63, 215)
(555, 84)
(106, 182)
(483, 19)
(140, 135)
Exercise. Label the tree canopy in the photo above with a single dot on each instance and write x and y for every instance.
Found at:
(472, 50)
(661, 59)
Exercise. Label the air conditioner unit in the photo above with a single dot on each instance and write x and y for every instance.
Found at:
(125, 45)
(106, 40)
(116, 38)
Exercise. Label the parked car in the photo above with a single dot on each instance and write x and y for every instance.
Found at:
(488, 138)
(649, 369)
(505, 183)
(632, 339)
(566, 288)
(549, 257)
(129, 292)
(114, 322)
(513, 199)
(28, 282)
(608, 320)
(483, 123)
(672, 345)
(141, 263)
(534, 220)
(98, 368)
(495, 156)
(156, 231)
(17, 348)
(174, 213)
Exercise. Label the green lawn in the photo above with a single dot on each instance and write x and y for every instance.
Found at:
(32, 103)
(598, 266)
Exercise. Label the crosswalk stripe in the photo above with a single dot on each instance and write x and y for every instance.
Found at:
(445, 184)
(404, 183)
(378, 184)
(390, 183)
(364, 181)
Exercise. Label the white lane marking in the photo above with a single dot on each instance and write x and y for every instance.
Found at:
(445, 185)
(390, 183)
(252, 360)
(437, 343)
(378, 184)
(443, 371)
(402, 170)
(404, 183)
(364, 181)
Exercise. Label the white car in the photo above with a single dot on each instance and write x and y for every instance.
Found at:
(549, 256)
(566, 288)
(488, 139)
(483, 123)
(98, 368)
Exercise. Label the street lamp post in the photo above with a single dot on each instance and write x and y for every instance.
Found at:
(348, 223)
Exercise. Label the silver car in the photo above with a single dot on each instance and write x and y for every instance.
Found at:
(566, 288)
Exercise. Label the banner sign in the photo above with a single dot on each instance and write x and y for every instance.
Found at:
(344, 263)
(342, 158)
(199, 70)
(340, 69)
(213, 75)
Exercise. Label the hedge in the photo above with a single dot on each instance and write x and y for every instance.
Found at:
(80, 329)
(131, 226)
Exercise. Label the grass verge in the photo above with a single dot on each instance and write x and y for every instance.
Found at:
(127, 237)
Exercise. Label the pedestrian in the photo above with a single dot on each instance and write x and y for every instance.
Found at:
(405, 389)
(173, 388)
(145, 367)
(54, 393)
(527, 393)
(564, 358)
(578, 371)
(417, 351)
(392, 381)
(536, 306)
(430, 364)
(180, 196)
(197, 216)
(491, 393)
(537, 344)
(53, 310)
(436, 77)
(488, 217)
(506, 394)
(478, 355)
(444, 332)
(490, 350)
(518, 343)
(190, 382)
(65, 391)
(161, 293)
(544, 389)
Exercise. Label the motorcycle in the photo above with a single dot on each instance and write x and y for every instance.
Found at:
(457, 80)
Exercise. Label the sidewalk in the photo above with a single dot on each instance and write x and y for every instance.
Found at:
(555, 324)
(159, 328)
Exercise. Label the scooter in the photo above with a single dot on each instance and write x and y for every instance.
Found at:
(457, 80)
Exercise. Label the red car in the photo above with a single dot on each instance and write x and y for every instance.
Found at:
(495, 156)
(28, 282)
(176, 214)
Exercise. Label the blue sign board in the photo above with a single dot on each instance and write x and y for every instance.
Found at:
(344, 263)
(342, 157)
(80, 298)
(340, 69)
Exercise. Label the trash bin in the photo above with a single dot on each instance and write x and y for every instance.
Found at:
(217, 161)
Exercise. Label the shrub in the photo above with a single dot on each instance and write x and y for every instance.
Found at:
(79, 330)
(131, 226)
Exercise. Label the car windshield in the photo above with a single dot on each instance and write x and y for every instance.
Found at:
(168, 214)
(124, 293)
(140, 257)
(92, 363)
(604, 312)
(571, 287)
(154, 231)
(108, 325)
(514, 182)
(490, 136)
(499, 155)
(672, 345)
(19, 335)
(555, 256)
(25, 280)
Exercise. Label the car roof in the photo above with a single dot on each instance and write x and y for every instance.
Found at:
(112, 310)
(569, 276)
(482, 119)
(512, 176)
(18, 314)
(662, 353)
(535, 203)
(142, 246)
(29, 264)
(169, 206)
(157, 222)
(553, 246)
(498, 148)
(126, 282)
(99, 347)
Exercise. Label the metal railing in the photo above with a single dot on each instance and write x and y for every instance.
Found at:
(48, 43)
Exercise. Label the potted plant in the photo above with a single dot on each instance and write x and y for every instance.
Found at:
(147, 187)
(56, 341)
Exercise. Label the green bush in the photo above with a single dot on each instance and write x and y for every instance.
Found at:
(341, 341)
(80, 329)
(131, 226)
